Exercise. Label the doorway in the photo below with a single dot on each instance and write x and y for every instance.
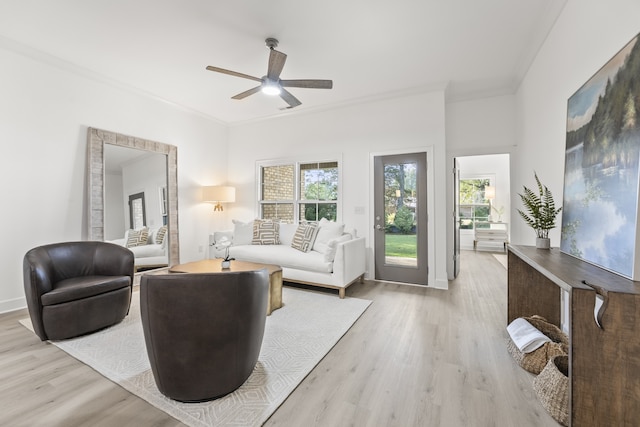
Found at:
(400, 218)
(137, 211)
(481, 201)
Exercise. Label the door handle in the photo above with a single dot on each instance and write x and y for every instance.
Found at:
(378, 227)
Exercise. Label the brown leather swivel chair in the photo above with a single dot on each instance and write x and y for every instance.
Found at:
(74, 288)
(203, 332)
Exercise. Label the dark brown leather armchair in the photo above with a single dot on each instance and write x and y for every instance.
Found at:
(203, 331)
(74, 288)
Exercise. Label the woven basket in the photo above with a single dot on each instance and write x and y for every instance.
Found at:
(535, 361)
(552, 388)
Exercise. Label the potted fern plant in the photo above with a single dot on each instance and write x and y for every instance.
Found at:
(541, 212)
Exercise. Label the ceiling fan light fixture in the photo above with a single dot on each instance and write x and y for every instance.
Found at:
(271, 84)
(271, 88)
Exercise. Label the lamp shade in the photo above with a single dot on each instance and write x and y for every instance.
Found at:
(215, 194)
(218, 194)
(489, 192)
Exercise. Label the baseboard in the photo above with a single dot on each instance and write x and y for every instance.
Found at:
(441, 284)
(13, 304)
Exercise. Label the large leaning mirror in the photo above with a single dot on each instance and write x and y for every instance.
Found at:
(132, 184)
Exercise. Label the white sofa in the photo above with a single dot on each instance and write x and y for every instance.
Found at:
(148, 255)
(336, 260)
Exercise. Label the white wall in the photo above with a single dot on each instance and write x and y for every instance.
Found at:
(45, 109)
(353, 132)
(587, 34)
(481, 126)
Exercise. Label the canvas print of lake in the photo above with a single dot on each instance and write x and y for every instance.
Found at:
(600, 205)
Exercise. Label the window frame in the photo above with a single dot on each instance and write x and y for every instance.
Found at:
(297, 201)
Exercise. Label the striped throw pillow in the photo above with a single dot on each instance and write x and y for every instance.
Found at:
(162, 231)
(138, 237)
(305, 236)
(265, 232)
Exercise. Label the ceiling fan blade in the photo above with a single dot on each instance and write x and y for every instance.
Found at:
(309, 84)
(247, 93)
(276, 64)
(289, 99)
(233, 73)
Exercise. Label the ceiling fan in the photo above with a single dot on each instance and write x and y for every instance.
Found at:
(271, 83)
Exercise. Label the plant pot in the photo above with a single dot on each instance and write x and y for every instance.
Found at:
(542, 243)
(226, 265)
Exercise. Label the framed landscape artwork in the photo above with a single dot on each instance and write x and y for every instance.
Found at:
(600, 207)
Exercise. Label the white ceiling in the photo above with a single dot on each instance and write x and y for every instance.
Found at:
(369, 48)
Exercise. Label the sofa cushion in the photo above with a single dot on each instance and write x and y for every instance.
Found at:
(284, 256)
(305, 236)
(265, 232)
(242, 232)
(147, 251)
(83, 287)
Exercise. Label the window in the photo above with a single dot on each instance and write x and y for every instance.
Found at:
(474, 206)
(277, 192)
(292, 192)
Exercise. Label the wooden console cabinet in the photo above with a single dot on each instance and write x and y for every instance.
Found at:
(604, 362)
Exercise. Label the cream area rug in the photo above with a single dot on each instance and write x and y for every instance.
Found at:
(297, 336)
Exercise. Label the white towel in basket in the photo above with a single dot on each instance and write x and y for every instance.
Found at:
(525, 336)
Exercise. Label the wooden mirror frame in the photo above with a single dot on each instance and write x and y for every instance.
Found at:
(96, 139)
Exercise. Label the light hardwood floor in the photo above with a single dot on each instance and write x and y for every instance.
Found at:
(416, 357)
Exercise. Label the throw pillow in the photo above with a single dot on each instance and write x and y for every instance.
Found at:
(162, 231)
(327, 230)
(265, 232)
(305, 236)
(137, 237)
(242, 232)
(332, 247)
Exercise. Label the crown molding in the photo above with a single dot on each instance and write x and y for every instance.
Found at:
(70, 67)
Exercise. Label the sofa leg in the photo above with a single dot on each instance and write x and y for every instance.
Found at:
(342, 292)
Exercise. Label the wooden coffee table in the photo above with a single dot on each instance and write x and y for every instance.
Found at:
(214, 266)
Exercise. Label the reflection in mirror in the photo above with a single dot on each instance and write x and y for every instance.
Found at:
(133, 196)
(137, 212)
(133, 184)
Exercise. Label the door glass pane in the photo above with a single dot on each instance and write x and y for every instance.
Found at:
(400, 201)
